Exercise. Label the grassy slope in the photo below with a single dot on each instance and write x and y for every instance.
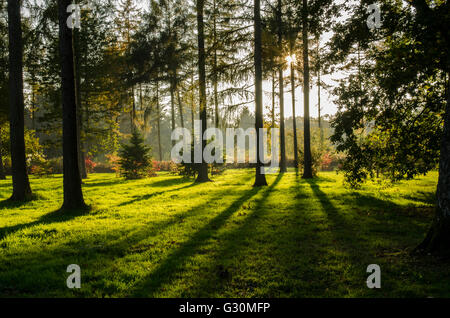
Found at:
(165, 237)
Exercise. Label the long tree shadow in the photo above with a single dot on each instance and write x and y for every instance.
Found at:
(170, 182)
(384, 214)
(8, 204)
(346, 233)
(102, 254)
(57, 216)
(173, 264)
(148, 196)
(13, 204)
(232, 245)
(166, 183)
(117, 181)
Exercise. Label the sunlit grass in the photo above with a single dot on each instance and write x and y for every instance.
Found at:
(167, 237)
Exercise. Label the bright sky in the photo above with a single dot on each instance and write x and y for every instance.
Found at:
(327, 106)
(326, 99)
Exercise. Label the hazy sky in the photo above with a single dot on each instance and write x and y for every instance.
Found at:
(326, 99)
(327, 106)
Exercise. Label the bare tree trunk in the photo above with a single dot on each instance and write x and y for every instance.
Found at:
(2, 168)
(293, 114)
(273, 100)
(318, 92)
(141, 99)
(73, 195)
(77, 70)
(21, 184)
(192, 105)
(307, 173)
(203, 168)
(260, 177)
(283, 167)
(133, 110)
(172, 106)
(215, 78)
(194, 167)
(33, 111)
(180, 108)
(158, 121)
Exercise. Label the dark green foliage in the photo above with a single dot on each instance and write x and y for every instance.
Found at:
(135, 159)
(390, 109)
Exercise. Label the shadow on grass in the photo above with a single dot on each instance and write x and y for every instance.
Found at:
(160, 184)
(104, 183)
(57, 216)
(87, 250)
(371, 219)
(170, 182)
(233, 243)
(174, 262)
(12, 204)
(145, 197)
(422, 197)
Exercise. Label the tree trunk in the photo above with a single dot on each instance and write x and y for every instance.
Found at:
(283, 167)
(2, 168)
(260, 177)
(33, 111)
(192, 105)
(172, 106)
(77, 70)
(194, 167)
(158, 121)
(273, 100)
(437, 241)
(133, 111)
(21, 184)
(319, 118)
(307, 173)
(215, 78)
(180, 108)
(73, 195)
(203, 167)
(293, 115)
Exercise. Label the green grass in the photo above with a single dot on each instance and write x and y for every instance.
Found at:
(166, 237)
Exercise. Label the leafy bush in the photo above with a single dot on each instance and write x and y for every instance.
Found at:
(135, 159)
(90, 165)
(43, 168)
(168, 166)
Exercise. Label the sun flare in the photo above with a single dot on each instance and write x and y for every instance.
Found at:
(290, 58)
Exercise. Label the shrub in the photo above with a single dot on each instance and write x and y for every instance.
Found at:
(42, 168)
(135, 160)
(90, 165)
(162, 165)
(327, 159)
